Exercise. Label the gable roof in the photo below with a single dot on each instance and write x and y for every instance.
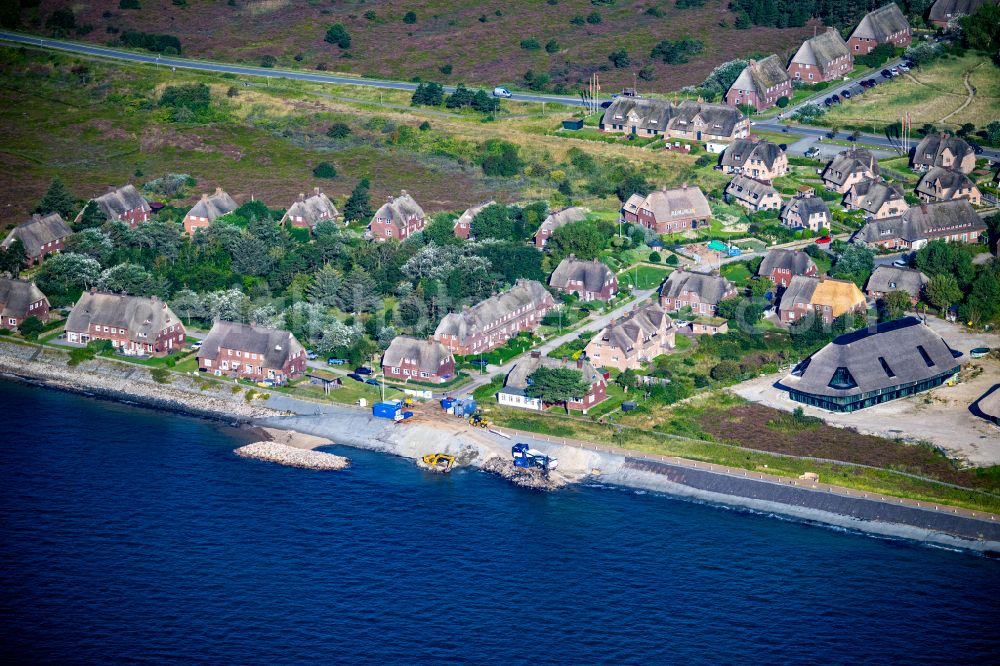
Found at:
(891, 278)
(930, 150)
(805, 207)
(851, 161)
(924, 221)
(142, 317)
(870, 195)
(517, 378)
(119, 201)
(656, 114)
(665, 205)
(16, 296)
(428, 355)
(795, 261)
(400, 209)
(761, 75)
(742, 151)
(561, 218)
(37, 232)
(947, 10)
(471, 212)
(593, 274)
(276, 346)
(710, 288)
(483, 315)
(634, 327)
(312, 209)
(881, 23)
(822, 50)
(212, 206)
(840, 295)
(897, 352)
(748, 189)
(949, 180)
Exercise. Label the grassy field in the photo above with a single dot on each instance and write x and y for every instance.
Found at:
(643, 277)
(931, 94)
(471, 41)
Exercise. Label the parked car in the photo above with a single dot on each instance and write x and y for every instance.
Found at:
(363, 370)
(373, 382)
(336, 361)
(196, 345)
(828, 101)
(311, 355)
(894, 71)
(872, 82)
(835, 98)
(886, 74)
(479, 362)
(846, 94)
(812, 152)
(900, 263)
(783, 146)
(976, 148)
(903, 67)
(501, 92)
(822, 240)
(356, 377)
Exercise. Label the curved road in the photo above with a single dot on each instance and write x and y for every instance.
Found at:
(244, 70)
(771, 124)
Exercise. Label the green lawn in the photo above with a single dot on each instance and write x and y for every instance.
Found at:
(643, 277)
(737, 272)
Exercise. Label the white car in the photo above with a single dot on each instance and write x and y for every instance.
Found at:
(501, 92)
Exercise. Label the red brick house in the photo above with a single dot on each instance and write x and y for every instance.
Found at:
(251, 352)
(20, 299)
(782, 265)
(208, 209)
(699, 291)
(399, 217)
(955, 221)
(463, 225)
(135, 325)
(885, 25)
(821, 58)
(760, 85)
(420, 360)
(590, 280)
(668, 211)
(515, 394)
(555, 220)
(123, 204)
(41, 236)
(493, 322)
(309, 211)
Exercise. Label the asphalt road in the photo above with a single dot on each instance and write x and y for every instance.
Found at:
(243, 70)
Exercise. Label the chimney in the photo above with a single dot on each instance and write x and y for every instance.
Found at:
(204, 197)
(536, 354)
(302, 196)
(923, 208)
(93, 290)
(111, 188)
(752, 62)
(579, 363)
(822, 278)
(564, 359)
(316, 191)
(684, 186)
(402, 193)
(218, 190)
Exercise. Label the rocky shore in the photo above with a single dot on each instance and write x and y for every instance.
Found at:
(108, 378)
(525, 478)
(291, 456)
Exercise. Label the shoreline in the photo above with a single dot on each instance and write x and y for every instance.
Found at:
(351, 426)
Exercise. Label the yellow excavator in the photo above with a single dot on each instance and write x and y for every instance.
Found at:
(440, 460)
(479, 421)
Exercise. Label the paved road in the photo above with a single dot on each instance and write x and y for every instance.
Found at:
(243, 70)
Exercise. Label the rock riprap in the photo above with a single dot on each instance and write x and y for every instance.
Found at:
(291, 456)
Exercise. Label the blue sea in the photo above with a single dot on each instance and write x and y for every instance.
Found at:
(130, 535)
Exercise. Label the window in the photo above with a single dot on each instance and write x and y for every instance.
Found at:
(885, 366)
(925, 356)
(842, 379)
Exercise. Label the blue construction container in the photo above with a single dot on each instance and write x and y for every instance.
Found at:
(470, 407)
(447, 403)
(386, 410)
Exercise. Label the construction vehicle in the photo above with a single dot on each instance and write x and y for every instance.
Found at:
(440, 461)
(529, 458)
(479, 421)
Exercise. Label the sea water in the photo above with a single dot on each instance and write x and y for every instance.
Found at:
(128, 534)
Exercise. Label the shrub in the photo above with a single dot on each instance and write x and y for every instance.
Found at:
(725, 370)
(672, 260)
(324, 170)
(191, 96)
(655, 257)
(371, 15)
(530, 44)
(551, 46)
(337, 34)
(782, 102)
(424, 126)
(128, 4)
(409, 18)
(445, 69)
(338, 130)
(31, 327)
(151, 42)
(578, 20)
(704, 160)
(268, 61)
(619, 58)
(676, 52)
(160, 375)
(593, 18)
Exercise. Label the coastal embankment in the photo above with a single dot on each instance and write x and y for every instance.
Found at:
(126, 382)
(481, 449)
